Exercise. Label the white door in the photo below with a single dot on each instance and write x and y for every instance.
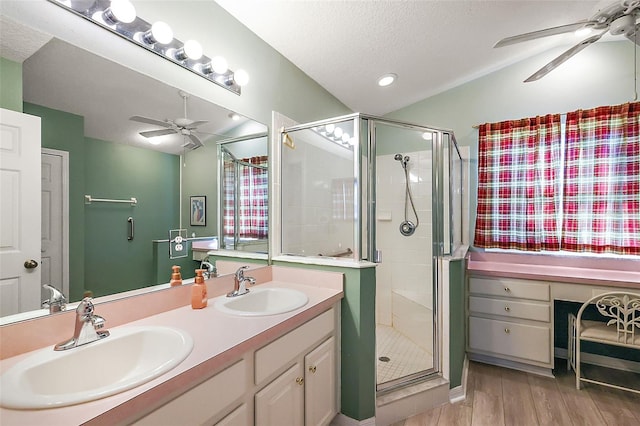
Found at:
(55, 221)
(19, 212)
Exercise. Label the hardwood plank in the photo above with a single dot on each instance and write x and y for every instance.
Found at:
(581, 408)
(455, 415)
(518, 402)
(428, 418)
(611, 404)
(550, 406)
(487, 397)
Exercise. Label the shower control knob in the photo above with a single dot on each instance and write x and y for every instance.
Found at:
(506, 308)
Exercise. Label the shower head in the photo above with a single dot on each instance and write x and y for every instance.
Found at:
(398, 157)
(403, 160)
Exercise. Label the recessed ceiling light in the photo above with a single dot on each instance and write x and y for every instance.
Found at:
(387, 79)
(234, 116)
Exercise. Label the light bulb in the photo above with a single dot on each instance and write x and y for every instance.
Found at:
(161, 32)
(387, 79)
(120, 11)
(427, 136)
(241, 77)
(346, 137)
(330, 128)
(338, 132)
(193, 50)
(219, 65)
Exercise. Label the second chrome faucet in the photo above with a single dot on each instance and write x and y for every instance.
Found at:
(240, 283)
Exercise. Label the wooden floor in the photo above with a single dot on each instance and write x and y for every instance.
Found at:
(500, 396)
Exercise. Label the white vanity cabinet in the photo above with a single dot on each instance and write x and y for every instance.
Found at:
(305, 393)
(510, 322)
(290, 381)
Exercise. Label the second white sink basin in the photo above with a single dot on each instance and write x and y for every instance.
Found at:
(129, 357)
(262, 301)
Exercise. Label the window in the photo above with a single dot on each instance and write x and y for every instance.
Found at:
(543, 185)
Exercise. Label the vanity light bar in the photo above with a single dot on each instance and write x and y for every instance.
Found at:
(335, 134)
(119, 17)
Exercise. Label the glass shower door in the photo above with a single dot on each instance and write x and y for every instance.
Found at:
(405, 291)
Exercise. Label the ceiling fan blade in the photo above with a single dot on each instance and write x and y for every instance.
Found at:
(541, 33)
(154, 133)
(150, 121)
(562, 58)
(195, 140)
(196, 124)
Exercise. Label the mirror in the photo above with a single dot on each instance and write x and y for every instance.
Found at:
(85, 103)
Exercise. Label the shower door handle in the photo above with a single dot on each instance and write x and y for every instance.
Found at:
(377, 256)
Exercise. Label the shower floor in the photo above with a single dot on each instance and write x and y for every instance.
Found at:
(405, 357)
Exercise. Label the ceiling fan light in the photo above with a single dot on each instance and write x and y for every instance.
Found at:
(241, 77)
(119, 11)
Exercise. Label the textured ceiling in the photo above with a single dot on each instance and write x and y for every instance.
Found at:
(431, 45)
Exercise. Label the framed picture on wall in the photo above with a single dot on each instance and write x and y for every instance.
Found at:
(198, 210)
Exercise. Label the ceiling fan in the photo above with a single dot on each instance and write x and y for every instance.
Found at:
(618, 18)
(183, 126)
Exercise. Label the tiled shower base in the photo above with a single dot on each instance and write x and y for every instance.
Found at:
(405, 357)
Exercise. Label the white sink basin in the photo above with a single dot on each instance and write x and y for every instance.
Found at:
(262, 301)
(129, 357)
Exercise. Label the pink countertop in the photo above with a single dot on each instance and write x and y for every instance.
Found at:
(219, 339)
(607, 272)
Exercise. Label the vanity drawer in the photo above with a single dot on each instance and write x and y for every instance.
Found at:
(510, 308)
(507, 338)
(279, 353)
(509, 288)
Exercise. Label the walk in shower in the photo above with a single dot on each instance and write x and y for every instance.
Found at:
(366, 188)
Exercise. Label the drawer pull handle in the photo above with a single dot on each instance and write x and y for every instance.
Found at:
(300, 381)
(507, 289)
(506, 330)
(506, 308)
(312, 369)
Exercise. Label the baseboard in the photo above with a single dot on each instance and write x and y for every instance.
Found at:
(342, 420)
(500, 362)
(459, 393)
(601, 360)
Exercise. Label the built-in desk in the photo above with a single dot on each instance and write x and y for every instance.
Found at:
(510, 303)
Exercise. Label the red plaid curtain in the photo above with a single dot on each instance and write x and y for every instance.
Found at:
(253, 198)
(601, 211)
(517, 184)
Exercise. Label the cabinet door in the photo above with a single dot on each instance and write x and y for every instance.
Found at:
(320, 384)
(281, 401)
(238, 417)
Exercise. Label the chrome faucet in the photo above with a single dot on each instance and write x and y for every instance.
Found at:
(239, 283)
(209, 269)
(56, 302)
(86, 328)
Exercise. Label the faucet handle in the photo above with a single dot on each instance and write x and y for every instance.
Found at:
(85, 307)
(240, 272)
(56, 302)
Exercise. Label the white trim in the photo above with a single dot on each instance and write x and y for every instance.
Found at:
(65, 215)
(459, 393)
(601, 360)
(342, 420)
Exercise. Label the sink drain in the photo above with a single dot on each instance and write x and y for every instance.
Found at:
(384, 359)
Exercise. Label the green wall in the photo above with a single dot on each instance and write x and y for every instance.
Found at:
(65, 132)
(10, 85)
(113, 170)
(101, 258)
(457, 322)
(358, 340)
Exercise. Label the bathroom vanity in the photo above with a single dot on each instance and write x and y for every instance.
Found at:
(281, 369)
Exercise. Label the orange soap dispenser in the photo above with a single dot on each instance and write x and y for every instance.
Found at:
(199, 291)
(176, 277)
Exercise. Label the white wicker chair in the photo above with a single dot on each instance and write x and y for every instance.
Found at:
(621, 314)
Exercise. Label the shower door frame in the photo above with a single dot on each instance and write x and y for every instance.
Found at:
(438, 237)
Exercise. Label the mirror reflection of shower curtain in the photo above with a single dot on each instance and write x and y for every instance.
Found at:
(246, 190)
